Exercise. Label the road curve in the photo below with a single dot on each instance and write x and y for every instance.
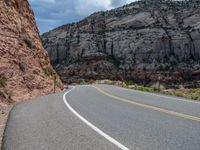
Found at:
(136, 120)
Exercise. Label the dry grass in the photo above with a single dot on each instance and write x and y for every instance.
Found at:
(192, 93)
(186, 93)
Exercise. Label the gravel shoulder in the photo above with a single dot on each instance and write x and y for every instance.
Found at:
(4, 112)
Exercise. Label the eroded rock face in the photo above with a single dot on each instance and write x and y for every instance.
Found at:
(25, 71)
(141, 41)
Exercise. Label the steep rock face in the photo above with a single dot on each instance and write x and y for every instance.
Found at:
(144, 41)
(25, 71)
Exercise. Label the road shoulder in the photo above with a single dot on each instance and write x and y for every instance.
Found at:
(4, 113)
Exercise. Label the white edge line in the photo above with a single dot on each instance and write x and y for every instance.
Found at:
(91, 125)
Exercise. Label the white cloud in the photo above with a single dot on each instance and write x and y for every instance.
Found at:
(85, 7)
(105, 3)
(53, 13)
(129, 1)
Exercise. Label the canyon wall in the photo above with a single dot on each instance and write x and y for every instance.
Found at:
(25, 70)
(144, 41)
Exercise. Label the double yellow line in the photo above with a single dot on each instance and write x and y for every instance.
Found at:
(170, 112)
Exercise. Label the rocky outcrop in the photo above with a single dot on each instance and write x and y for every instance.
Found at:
(25, 71)
(143, 41)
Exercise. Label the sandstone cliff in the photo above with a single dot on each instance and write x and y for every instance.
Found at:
(143, 41)
(25, 71)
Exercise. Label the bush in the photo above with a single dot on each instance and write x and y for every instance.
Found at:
(157, 87)
(29, 42)
(48, 71)
(145, 89)
(174, 93)
(128, 82)
(5, 94)
(195, 97)
(2, 81)
(27, 39)
(57, 81)
(191, 93)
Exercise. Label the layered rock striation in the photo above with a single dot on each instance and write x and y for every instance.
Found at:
(25, 70)
(144, 41)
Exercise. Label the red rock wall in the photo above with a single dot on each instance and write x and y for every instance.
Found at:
(24, 64)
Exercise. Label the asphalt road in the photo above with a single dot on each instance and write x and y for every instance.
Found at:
(104, 118)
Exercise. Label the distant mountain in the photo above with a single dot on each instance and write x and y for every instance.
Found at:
(143, 41)
(25, 71)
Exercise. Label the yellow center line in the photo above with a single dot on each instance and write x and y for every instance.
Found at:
(170, 112)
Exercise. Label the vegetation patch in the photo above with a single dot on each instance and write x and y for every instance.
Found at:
(178, 90)
(143, 88)
(5, 94)
(128, 82)
(186, 93)
(2, 81)
(27, 39)
(58, 81)
(48, 71)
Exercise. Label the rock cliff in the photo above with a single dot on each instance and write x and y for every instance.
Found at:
(144, 41)
(25, 71)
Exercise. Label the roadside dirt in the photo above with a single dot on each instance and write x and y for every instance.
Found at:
(4, 112)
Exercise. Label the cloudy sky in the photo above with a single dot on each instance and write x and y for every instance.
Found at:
(53, 13)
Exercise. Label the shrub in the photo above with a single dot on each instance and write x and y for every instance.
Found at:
(27, 39)
(145, 89)
(2, 81)
(194, 97)
(5, 94)
(179, 94)
(128, 82)
(29, 42)
(174, 93)
(91, 82)
(48, 71)
(157, 86)
(57, 81)
(191, 94)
